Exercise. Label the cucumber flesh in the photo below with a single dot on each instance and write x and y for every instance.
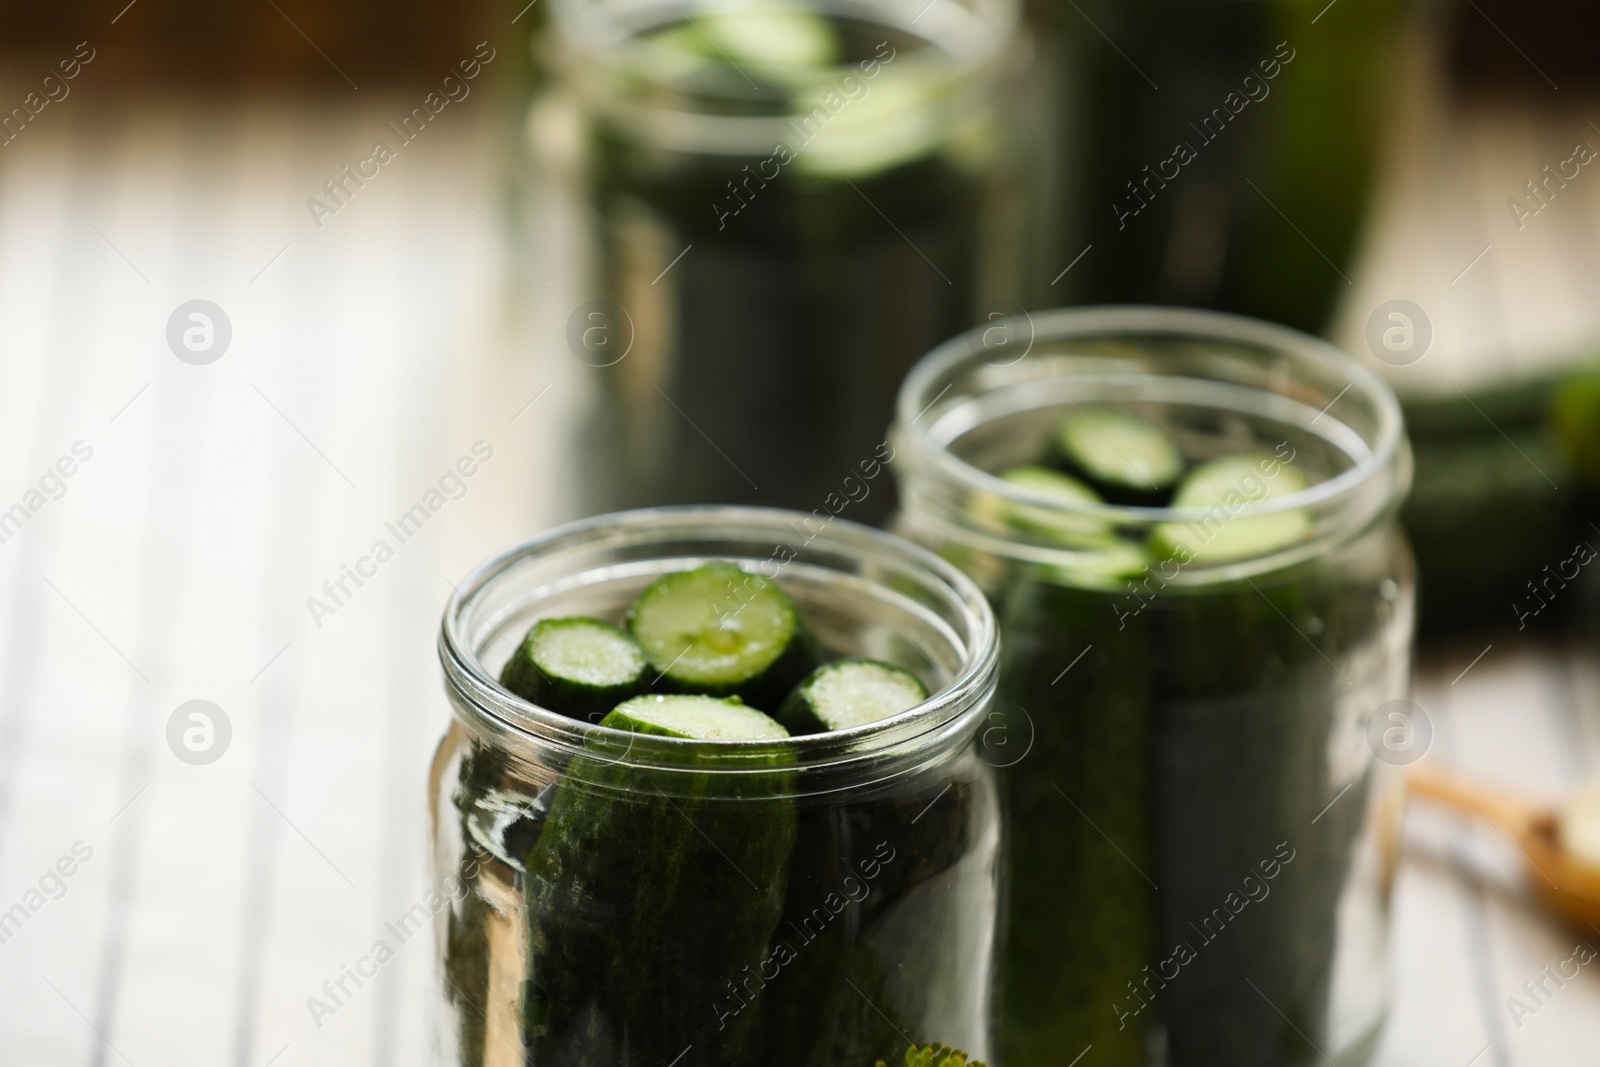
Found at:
(700, 717)
(787, 43)
(722, 631)
(849, 693)
(776, 35)
(1097, 557)
(575, 666)
(1097, 566)
(1125, 458)
(1223, 486)
(1052, 524)
(1212, 481)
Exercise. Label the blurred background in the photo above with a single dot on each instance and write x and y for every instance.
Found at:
(269, 271)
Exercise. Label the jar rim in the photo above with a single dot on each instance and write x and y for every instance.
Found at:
(979, 42)
(516, 720)
(1066, 324)
(594, 28)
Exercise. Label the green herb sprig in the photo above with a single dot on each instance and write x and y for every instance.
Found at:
(937, 1055)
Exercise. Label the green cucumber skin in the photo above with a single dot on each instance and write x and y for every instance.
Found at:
(564, 696)
(1162, 739)
(1472, 493)
(1245, 742)
(1079, 918)
(1482, 517)
(798, 715)
(807, 1014)
(1111, 492)
(899, 852)
(641, 907)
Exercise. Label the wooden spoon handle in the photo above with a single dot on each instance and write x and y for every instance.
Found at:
(1511, 813)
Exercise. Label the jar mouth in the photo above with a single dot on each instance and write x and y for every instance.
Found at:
(874, 570)
(972, 34)
(924, 408)
(954, 48)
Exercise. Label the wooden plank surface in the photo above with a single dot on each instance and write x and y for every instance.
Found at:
(367, 356)
(1467, 936)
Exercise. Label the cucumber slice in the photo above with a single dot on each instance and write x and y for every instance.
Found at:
(888, 123)
(789, 44)
(1212, 481)
(850, 692)
(686, 39)
(1123, 457)
(700, 717)
(1097, 557)
(777, 35)
(576, 666)
(1223, 486)
(722, 631)
(1108, 564)
(1064, 526)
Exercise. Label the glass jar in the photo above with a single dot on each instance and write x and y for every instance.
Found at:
(788, 202)
(1197, 833)
(627, 899)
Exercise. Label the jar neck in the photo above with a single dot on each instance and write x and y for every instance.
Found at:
(867, 593)
(921, 80)
(1236, 368)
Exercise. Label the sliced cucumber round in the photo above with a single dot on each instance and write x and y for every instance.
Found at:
(1124, 458)
(1099, 566)
(722, 631)
(1223, 487)
(786, 42)
(1068, 527)
(848, 693)
(699, 717)
(1095, 556)
(576, 666)
(773, 35)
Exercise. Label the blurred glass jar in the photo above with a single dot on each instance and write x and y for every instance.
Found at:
(1219, 727)
(788, 202)
(811, 902)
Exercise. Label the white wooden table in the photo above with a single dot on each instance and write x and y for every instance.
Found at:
(1466, 937)
(366, 357)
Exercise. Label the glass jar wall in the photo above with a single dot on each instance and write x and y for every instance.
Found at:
(1196, 861)
(637, 900)
(788, 203)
